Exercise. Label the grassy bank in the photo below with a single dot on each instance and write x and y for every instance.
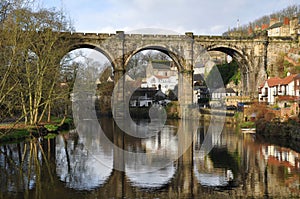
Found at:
(11, 132)
(248, 124)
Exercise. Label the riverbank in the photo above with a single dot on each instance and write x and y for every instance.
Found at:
(285, 134)
(16, 132)
(173, 112)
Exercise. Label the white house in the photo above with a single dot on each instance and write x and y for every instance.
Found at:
(268, 89)
(166, 83)
(219, 95)
(142, 97)
(222, 93)
(142, 101)
(162, 73)
(284, 28)
(275, 86)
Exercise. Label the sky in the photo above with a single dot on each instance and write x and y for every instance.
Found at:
(209, 17)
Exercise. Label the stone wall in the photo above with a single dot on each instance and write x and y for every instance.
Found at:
(285, 113)
(277, 46)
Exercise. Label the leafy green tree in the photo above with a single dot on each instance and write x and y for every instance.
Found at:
(229, 72)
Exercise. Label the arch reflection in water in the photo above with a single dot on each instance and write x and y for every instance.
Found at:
(80, 160)
(160, 153)
(208, 175)
(214, 178)
(156, 179)
(218, 167)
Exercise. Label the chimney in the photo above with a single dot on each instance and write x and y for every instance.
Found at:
(257, 28)
(250, 31)
(264, 26)
(286, 21)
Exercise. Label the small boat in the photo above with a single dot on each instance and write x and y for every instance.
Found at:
(248, 130)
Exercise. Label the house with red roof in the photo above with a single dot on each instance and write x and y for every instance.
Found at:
(272, 90)
(285, 28)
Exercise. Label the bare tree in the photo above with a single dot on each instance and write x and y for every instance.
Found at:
(290, 11)
(31, 56)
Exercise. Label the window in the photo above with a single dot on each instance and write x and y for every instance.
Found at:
(266, 91)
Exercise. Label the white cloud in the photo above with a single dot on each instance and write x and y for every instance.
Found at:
(202, 17)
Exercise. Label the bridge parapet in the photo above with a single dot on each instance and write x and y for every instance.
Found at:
(155, 37)
(223, 38)
(82, 35)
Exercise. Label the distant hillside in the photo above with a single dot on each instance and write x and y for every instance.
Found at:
(289, 12)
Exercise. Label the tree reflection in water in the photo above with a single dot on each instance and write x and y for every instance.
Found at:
(25, 166)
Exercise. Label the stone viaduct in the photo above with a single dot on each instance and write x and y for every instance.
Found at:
(255, 55)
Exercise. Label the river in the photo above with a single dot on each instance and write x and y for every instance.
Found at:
(183, 159)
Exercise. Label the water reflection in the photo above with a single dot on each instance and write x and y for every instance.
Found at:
(140, 177)
(24, 167)
(84, 162)
(80, 162)
(161, 152)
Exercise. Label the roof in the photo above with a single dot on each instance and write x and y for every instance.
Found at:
(159, 93)
(142, 91)
(198, 77)
(276, 25)
(161, 77)
(289, 79)
(262, 84)
(264, 26)
(230, 90)
(274, 81)
(161, 64)
(224, 90)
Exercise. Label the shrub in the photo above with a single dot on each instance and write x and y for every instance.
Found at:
(269, 116)
(50, 136)
(51, 127)
(247, 125)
